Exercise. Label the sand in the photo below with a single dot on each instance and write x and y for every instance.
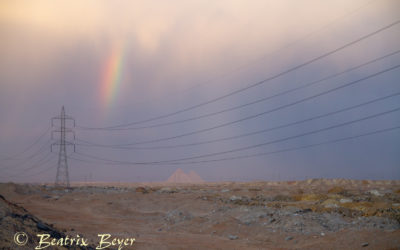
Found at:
(311, 214)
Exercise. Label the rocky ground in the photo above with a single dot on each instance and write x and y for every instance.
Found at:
(312, 214)
(14, 218)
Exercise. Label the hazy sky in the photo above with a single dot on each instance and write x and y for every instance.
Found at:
(116, 62)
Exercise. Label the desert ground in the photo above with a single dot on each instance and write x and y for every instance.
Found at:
(309, 214)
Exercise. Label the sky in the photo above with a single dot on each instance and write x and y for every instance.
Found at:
(193, 85)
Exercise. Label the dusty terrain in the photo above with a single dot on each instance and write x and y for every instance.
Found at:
(312, 214)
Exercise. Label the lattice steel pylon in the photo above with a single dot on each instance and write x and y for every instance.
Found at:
(62, 177)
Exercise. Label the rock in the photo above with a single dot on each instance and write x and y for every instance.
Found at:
(167, 190)
(225, 190)
(141, 190)
(233, 237)
(303, 211)
(235, 198)
(281, 197)
(176, 216)
(289, 238)
(336, 190)
(375, 192)
(239, 200)
(345, 200)
(365, 244)
(330, 203)
(42, 226)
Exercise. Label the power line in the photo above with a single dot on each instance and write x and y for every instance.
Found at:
(46, 169)
(247, 147)
(269, 54)
(260, 154)
(293, 148)
(290, 137)
(42, 149)
(28, 148)
(256, 101)
(39, 163)
(326, 54)
(288, 45)
(264, 112)
(90, 144)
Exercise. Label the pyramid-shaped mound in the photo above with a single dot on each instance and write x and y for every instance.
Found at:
(180, 177)
(194, 177)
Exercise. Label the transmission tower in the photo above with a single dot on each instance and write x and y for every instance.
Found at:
(62, 177)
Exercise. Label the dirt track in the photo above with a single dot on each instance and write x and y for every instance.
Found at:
(313, 214)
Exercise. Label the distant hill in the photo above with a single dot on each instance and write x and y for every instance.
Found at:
(180, 177)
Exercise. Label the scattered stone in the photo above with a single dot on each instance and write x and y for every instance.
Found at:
(233, 237)
(336, 190)
(365, 244)
(322, 234)
(330, 203)
(235, 198)
(42, 226)
(303, 211)
(289, 238)
(285, 198)
(176, 216)
(375, 192)
(167, 190)
(15, 218)
(225, 190)
(141, 190)
(345, 200)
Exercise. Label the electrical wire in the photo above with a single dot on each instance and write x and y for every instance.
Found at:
(39, 163)
(285, 47)
(28, 148)
(248, 147)
(293, 148)
(261, 154)
(326, 54)
(264, 112)
(46, 169)
(269, 54)
(29, 158)
(90, 144)
(259, 100)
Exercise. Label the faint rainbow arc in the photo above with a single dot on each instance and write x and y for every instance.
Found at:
(111, 75)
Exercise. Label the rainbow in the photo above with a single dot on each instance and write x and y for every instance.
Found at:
(111, 75)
